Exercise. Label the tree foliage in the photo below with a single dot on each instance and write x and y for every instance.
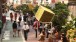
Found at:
(24, 8)
(61, 13)
(35, 9)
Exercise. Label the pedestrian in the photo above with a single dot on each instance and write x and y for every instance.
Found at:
(36, 26)
(15, 16)
(24, 18)
(0, 26)
(26, 30)
(50, 38)
(14, 28)
(29, 20)
(4, 18)
(19, 27)
(41, 27)
(64, 38)
(59, 40)
(11, 17)
(20, 18)
(56, 36)
(48, 29)
(42, 36)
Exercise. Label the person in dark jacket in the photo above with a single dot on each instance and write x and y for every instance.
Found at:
(20, 18)
(24, 18)
(14, 28)
(0, 26)
(11, 16)
(15, 16)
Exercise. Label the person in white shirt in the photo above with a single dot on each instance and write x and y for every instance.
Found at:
(26, 30)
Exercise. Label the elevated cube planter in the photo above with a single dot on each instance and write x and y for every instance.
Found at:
(44, 15)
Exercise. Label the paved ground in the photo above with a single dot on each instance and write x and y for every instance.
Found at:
(8, 34)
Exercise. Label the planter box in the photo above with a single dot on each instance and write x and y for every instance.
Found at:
(44, 15)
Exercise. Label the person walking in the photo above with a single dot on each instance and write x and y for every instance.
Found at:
(11, 17)
(19, 27)
(26, 30)
(20, 18)
(4, 18)
(48, 29)
(0, 26)
(64, 38)
(29, 20)
(15, 16)
(41, 27)
(14, 28)
(50, 38)
(36, 26)
(24, 18)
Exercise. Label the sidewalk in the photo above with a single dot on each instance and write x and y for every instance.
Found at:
(8, 35)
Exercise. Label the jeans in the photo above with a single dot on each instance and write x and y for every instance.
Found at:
(25, 34)
(36, 32)
(40, 30)
(0, 30)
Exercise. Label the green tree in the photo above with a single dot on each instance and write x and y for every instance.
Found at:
(24, 8)
(35, 9)
(61, 14)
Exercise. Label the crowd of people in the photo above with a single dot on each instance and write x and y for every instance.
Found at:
(44, 29)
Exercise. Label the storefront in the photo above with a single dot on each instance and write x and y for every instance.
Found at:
(72, 7)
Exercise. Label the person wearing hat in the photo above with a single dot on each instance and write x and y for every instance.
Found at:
(25, 30)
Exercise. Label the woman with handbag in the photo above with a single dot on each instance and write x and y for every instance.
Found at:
(26, 30)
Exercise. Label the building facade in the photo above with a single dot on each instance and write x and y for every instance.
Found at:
(18, 2)
(72, 7)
